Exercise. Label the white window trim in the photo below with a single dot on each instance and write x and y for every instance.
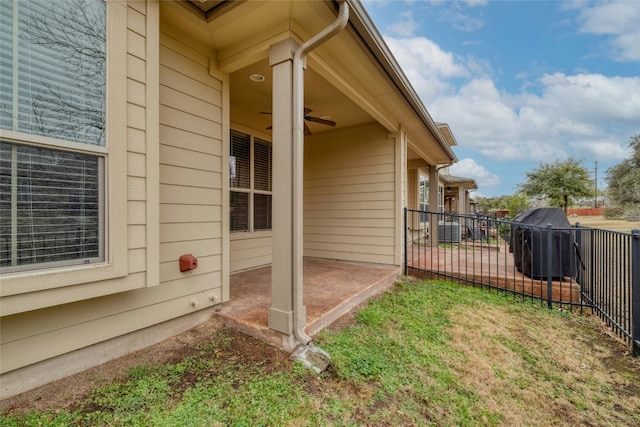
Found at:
(62, 282)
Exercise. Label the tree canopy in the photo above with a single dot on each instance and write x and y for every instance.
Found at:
(515, 203)
(623, 180)
(560, 182)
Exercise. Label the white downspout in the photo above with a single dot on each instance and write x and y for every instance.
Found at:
(299, 318)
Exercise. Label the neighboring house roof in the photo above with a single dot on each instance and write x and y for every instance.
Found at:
(452, 180)
(446, 131)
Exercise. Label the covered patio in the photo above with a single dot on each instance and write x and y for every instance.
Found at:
(331, 289)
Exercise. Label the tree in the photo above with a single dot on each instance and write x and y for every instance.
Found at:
(515, 204)
(518, 203)
(624, 182)
(559, 182)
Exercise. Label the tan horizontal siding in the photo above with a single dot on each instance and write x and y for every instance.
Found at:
(80, 332)
(342, 239)
(347, 188)
(249, 250)
(349, 209)
(329, 213)
(374, 196)
(191, 214)
(349, 231)
(197, 89)
(176, 175)
(178, 194)
(191, 159)
(172, 137)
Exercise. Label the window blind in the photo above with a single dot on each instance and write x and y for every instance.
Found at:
(262, 170)
(50, 206)
(262, 211)
(240, 160)
(52, 68)
(239, 211)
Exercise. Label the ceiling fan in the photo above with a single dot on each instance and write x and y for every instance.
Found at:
(308, 118)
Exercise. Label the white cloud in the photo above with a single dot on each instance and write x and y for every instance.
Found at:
(426, 65)
(552, 116)
(406, 26)
(476, 3)
(602, 150)
(620, 20)
(469, 168)
(462, 21)
(592, 98)
(576, 116)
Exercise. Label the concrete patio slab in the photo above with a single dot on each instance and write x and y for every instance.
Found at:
(331, 289)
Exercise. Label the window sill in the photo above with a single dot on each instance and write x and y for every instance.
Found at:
(24, 291)
(243, 235)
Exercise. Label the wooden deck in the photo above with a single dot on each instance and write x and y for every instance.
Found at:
(488, 265)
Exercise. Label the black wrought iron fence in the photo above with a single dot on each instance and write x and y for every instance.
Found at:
(570, 266)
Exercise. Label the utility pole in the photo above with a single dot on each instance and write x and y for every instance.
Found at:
(595, 182)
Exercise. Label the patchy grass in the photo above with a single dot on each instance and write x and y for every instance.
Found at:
(598, 221)
(425, 353)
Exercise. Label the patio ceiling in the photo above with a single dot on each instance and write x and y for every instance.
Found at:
(344, 79)
(250, 99)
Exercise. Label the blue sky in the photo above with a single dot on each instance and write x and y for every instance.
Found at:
(522, 82)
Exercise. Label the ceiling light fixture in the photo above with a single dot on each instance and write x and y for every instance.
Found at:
(256, 77)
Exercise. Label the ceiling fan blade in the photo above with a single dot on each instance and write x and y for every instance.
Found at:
(307, 131)
(265, 112)
(307, 110)
(319, 120)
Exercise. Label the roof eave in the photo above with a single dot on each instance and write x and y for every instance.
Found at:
(362, 23)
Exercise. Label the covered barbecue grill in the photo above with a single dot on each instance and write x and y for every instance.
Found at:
(529, 244)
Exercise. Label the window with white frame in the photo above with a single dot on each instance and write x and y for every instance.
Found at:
(423, 193)
(52, 133)
(250, 177)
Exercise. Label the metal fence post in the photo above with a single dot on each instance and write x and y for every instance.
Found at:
(549, 266)
(406, 238)
(578, 261)
(635, 291)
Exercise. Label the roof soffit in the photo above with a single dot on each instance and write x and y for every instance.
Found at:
(354, 63)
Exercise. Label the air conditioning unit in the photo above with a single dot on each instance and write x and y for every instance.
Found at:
(449, 232)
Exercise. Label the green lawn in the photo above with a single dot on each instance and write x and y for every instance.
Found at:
(425, 353)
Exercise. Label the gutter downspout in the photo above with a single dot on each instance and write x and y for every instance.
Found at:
(299, 318)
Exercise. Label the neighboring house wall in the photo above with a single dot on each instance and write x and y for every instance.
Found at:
(412, 196)
(350, 195)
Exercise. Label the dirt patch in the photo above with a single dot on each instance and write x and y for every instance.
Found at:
(67, 392)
